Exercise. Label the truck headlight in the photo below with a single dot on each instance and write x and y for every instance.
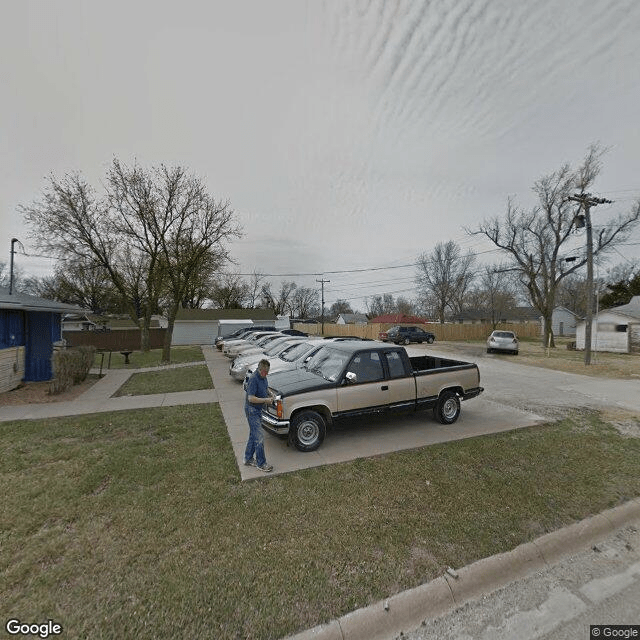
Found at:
(279, 408)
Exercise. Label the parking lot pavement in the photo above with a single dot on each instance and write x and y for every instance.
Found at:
(542, 391)
(359, 438)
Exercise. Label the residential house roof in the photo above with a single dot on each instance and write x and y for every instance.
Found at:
(25, 302)
(353, 318)
(560, 307)
(632, 309)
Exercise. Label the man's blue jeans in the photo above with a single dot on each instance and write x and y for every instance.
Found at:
(255, 445)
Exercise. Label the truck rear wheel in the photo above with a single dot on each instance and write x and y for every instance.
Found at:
(307, 430)
(447, 410)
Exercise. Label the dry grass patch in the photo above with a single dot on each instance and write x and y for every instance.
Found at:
(605, 365)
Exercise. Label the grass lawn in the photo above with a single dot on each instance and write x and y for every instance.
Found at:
(167, 381)
(135, 524)
(153, 358)
(603, 364)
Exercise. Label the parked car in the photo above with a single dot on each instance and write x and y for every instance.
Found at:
(506, 341)
(294, 332)
(348, 379)
(239, 334)
(406, 335)
(262, 343)
(230, 347)
(242, 362)
(294, 356)
(291, 357)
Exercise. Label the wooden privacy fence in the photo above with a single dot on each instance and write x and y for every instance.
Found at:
(441, 331)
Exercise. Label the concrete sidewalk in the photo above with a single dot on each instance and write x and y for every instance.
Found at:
(99, 398)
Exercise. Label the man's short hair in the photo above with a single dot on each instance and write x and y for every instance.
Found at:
(264, 364)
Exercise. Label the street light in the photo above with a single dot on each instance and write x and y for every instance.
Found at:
(13, 241)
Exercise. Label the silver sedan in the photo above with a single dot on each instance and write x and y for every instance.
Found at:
(506, 341)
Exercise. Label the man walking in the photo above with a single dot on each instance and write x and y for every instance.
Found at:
(257, 397)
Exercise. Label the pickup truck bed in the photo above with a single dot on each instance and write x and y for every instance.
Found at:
(345, 380)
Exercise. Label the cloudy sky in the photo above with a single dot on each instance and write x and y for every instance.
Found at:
(349, 135)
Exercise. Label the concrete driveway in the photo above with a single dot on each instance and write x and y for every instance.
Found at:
(543, 391)
(364, 438)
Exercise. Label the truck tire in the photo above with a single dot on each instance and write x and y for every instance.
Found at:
(430, 340)
(406, 341)
(447, 409)
(307, 430)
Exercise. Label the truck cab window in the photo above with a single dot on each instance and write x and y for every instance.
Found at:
(367, 367)
(395, 364)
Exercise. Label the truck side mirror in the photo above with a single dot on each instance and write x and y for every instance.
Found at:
(350, 377)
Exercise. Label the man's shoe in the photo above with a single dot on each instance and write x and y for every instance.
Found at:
(250, 463)
(265, 467)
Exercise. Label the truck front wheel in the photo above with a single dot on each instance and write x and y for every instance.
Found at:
(307, 430)
(447, 410)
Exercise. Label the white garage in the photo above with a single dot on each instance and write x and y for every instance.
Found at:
(616, 329)
(200, 326)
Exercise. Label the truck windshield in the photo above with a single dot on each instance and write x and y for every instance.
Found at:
(328, 363)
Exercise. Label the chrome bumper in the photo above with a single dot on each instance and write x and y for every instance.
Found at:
(272, 424)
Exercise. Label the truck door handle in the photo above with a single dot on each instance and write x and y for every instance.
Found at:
(385, 388)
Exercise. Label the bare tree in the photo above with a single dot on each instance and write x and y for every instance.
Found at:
(404, 306)
(338, 307)
(154, 232)
(5, 276)
(73, 223)
(573, 293)
(445, 276)
(305, 302)
(497, 287)
(230, 291)
(255, 288)
(280, 302)
(191, 228)
(84, 284)
(533, 239)
(381, 305)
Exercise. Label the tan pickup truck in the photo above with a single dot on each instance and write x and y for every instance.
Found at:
(348, 379)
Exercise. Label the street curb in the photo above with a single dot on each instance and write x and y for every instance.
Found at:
(408, 610)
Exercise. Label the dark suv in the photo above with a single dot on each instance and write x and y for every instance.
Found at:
(405, 335)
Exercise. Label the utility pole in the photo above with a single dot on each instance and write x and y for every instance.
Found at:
(322, 283)
(586, 201)
(13, 241)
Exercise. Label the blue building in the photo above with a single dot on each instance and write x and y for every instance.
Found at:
(29, 326)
